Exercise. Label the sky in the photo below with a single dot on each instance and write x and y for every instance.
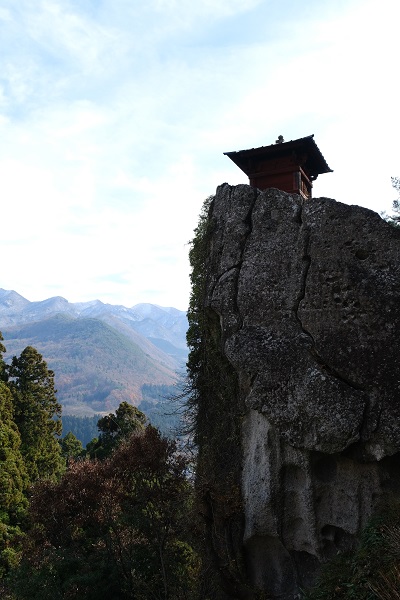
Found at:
(115, 116)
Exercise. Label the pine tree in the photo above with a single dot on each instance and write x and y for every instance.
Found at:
(36, 414)
(3, 368)
(116, 427)
(13, 478)
(13, 481)
(71, 447)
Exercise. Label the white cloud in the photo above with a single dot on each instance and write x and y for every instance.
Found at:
(186, 12)
(115, 119)
(64, 34)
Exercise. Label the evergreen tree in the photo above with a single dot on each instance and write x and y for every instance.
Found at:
(71, 447)
(116, 427)
(3, 368)
(13, 478)
(13, 481)
(36, 413)
(84, 428)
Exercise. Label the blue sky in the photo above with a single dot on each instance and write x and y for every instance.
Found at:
(115, 114)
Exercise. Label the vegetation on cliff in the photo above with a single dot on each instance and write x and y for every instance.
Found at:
(215, 413)
(371, 571)
(394, 218)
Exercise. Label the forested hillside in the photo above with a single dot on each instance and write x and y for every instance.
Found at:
(161, 404)
(101, 354)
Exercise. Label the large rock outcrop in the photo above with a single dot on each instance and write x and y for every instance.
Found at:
(308, 300)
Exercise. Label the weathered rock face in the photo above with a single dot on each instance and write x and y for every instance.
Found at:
(308, 296)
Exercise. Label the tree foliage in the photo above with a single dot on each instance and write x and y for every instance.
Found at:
(13, 479)
(71, 447)
(371, 571)
(112, 528)
(394, 218)
(114, 428)
(3, 367)
(13, 482)
(36, 413)
(84, 428)
(198, 275)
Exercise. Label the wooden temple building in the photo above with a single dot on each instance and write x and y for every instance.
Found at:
(288, 166)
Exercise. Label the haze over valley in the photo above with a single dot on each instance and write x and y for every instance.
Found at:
(102, 354)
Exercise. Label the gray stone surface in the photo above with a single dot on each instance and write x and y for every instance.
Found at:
(308, 295)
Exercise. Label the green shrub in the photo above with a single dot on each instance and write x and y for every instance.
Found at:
(372, 571)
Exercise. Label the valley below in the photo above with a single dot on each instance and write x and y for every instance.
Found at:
(101, 354)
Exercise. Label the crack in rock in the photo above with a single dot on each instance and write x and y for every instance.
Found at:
(306, 260)
(235, 268)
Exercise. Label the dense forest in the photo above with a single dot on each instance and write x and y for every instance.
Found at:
(108, 521)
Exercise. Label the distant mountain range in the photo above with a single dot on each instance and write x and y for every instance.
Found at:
(101, 353)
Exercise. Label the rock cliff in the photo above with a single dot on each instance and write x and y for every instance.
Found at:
(301, 302)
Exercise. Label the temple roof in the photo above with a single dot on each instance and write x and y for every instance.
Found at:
(315, 163)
